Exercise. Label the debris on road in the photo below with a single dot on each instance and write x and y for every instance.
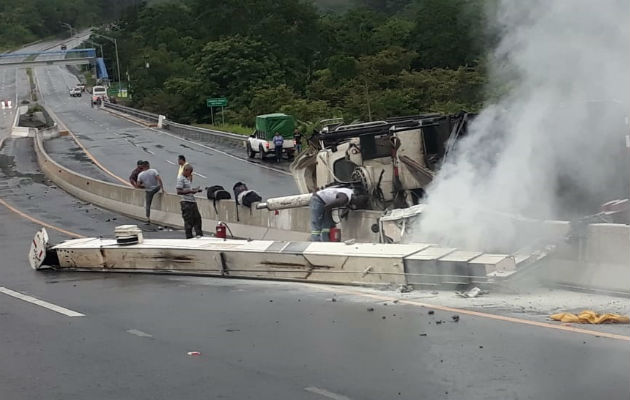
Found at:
(590, 317)
(431, 312)
(472, 293)
(370, 309)
(423, 334)
(455, 318)
(194, 353)
(405, 288)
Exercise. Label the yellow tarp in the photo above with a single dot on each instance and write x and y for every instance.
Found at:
(591, 317)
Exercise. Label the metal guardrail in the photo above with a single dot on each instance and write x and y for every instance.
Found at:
(205, 135)
(189, 132)
(145, 115)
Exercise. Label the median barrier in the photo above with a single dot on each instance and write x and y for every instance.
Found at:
(290, 224)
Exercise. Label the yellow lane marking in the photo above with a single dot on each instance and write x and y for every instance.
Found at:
(479, 314)
(39, 222)
(89, 155)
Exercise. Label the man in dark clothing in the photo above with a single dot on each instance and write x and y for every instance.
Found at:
(190, 212)
(133, 178)
(278, 142)
(297, 135)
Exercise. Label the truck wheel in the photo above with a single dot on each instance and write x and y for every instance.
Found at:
(250, 152)
(262, 152)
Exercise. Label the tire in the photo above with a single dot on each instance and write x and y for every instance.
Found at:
(250, 152)
(262, 152)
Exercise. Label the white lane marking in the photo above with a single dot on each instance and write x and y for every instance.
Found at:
(170, 162)
(41, 303)
(326, 393)
(139, 333)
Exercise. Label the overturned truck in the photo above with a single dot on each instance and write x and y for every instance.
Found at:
(392, 161)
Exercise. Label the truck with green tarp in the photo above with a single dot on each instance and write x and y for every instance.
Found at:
(261, 141)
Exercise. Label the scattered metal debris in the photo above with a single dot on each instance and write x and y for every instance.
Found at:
(455, 318)
(431, 312)
(370, 309)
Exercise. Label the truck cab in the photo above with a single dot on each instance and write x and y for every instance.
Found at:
(261, 141)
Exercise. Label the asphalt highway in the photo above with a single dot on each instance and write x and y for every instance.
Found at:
(255, 340)
(118, 144)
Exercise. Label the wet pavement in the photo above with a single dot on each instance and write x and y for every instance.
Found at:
(118, 144)
(265, 340)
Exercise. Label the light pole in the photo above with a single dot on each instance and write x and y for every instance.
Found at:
(68, 26)
(116, 48)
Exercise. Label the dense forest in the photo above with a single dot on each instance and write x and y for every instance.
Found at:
(24, 21)
(359, 59)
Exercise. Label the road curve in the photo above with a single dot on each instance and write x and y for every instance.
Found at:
(118, 143)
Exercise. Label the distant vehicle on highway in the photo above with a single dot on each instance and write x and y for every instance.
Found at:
(75, 92)
(99, 94)
(81, 86)
(64, 47)
(261, 141)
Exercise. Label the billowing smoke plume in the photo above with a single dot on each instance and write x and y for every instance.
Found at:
(553, 146)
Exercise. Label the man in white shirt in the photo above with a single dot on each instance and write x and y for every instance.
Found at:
(322, 204)
(190, 211)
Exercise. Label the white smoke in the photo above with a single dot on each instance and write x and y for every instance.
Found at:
(551, 147)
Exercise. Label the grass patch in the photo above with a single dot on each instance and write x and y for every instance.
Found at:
(231, 128)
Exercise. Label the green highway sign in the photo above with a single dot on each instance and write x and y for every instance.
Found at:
(216, 102)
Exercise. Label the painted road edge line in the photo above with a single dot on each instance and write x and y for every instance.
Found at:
(38, 222)
(139, 333)
(326, 393)
(473, 313)
(41, 303)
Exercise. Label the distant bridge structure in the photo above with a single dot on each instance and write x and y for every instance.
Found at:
(48, 57)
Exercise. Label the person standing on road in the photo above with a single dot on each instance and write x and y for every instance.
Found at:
(149, 179)
(278, 142)
(133, 178)
(322, 204)
(297, 135)
(190, 211)
(181, 161)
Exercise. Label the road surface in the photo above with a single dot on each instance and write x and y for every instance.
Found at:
(262, 340)
(118, 144)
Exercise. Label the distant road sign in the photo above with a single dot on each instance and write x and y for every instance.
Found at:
(216, 102)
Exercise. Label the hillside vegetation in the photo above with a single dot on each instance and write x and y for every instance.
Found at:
(24, 21)
(367, 60)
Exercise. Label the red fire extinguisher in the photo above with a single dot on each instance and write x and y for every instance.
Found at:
(335, 234)
(221, 230)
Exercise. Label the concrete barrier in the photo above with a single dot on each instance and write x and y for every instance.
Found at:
(292, 224)
(336, 263)
(16, 129)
